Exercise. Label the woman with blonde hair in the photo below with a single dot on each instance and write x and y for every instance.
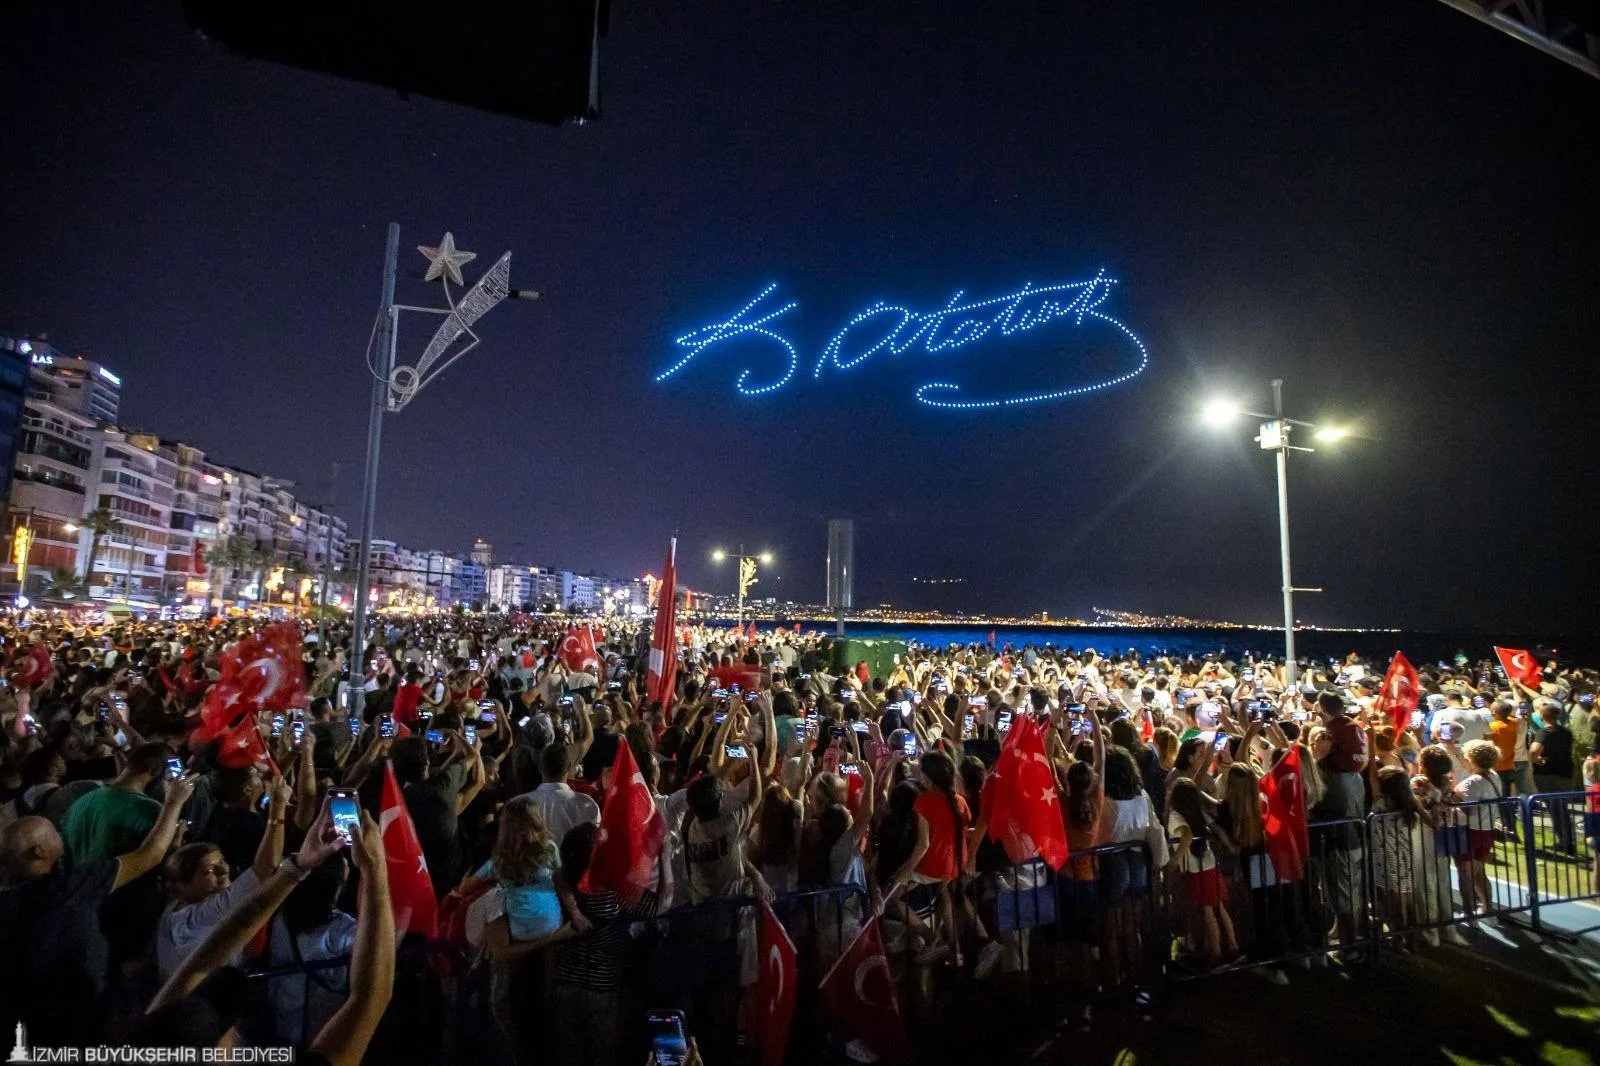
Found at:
(1481, 789)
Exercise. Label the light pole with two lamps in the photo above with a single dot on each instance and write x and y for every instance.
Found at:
(1274, 437)
(747, 571)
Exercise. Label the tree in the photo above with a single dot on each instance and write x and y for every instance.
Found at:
(63, 583)
(230, 554)
(260, 558)
(100, 522)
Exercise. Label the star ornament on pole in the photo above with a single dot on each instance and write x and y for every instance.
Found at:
(445, 260)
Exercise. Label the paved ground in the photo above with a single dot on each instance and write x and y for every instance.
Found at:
(1512, 998)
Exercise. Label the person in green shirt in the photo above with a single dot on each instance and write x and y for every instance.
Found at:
(112, 820)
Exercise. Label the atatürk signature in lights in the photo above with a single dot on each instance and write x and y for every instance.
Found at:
(897, 330)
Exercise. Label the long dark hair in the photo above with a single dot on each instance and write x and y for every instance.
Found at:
(940, 771)
(895, 835)
(1185, 799)
(1394, 784)
(1080, 796)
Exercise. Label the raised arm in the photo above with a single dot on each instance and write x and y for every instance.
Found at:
(344, 1039)
(229, 936)
(270, 851)
(141, 860)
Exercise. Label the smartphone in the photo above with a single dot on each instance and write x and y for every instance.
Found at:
(1003, 722)
(977, 701)
(734, 689)
(1221, 741)
(1301, 716)
(174, 767)
(805, 677)
(908, 746)
(967, 726)
(103, 713)
(1077, 726)
(564, 701)
(669, 1041)
(1247, 675)
(848, 695)
(355, 727)
(277, 726)
(1416, 719)
(470, 731)
(522, 723)
(859, 727)
(298, 731)
(837, 732)
(486, 705)
(735, 751)
(719, 693)
(434, 736)
(386, 726)
(1075, 708)
(901, 707)
(849, 769)
(613, 686)
(1479, 702)
(346, 811)
(473, 664)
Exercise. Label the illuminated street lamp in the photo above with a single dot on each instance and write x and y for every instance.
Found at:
(1274, 437)
(747, 571)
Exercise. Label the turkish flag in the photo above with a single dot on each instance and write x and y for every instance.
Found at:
(1400, 693)
(631, 834)
(241, 745)
(775, 994)
(1021, 801)
(577, 651)
(410, 887)
(663, 679)
(1288, 843)
(34, 666)
(263, 672)
(1520, 665)
(860, 990)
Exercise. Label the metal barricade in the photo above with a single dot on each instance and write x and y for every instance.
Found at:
(1562, 829)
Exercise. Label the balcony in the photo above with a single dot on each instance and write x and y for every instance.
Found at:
(57, 429)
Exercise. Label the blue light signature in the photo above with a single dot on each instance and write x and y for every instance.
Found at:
(899, 330)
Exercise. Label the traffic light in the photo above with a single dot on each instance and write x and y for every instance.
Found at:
(536, 59)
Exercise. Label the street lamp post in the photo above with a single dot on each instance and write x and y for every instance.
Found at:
(1274, 437)
(393, 387)
(747, 571)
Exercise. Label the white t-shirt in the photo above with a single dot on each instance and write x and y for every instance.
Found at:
(1190, 864)
(181, 929)
(1475, 723)
(1480, 787)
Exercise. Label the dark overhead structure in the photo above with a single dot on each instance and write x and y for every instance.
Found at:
(1566, 29)
(535, 59)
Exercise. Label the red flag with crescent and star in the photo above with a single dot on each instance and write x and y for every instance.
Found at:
(1021, 801)
(775, 994)
(578, 652)
(1284, 825)
(416, 910)
(263, 672)
(662, 682)
(860, 990)
(1520, 665)
(1400, 693)
(632, 832)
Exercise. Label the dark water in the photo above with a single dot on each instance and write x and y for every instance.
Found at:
(1312, 644)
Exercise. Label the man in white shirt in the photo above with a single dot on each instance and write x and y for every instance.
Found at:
(560, 808)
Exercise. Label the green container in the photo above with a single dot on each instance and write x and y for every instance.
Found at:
(881, 654)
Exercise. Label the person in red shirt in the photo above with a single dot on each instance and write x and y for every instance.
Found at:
(940, 855)
(408, 698)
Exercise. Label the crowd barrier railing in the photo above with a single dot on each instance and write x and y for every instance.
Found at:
(1115, 920)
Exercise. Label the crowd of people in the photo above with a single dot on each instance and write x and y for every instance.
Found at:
(145, 870)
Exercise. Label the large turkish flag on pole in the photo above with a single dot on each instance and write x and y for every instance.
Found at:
(664, 637)
(410, 885)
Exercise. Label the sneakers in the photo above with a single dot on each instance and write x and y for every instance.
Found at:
(1430, 937)
(1452, 935)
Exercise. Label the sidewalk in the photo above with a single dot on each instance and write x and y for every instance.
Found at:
(1511, 998)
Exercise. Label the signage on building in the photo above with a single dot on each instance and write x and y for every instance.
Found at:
(41, 359)
(109, 376)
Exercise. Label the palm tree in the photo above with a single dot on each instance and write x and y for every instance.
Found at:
(231, 554)
(63, 583)
(100, 522)
(259, 558)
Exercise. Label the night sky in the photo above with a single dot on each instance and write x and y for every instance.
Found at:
(1391, 206)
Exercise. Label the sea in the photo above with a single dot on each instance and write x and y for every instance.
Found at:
(1229, 642)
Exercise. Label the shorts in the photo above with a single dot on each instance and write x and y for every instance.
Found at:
(1204, 889)
(1123, 873)
(1480, 844)
(1591, 827)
